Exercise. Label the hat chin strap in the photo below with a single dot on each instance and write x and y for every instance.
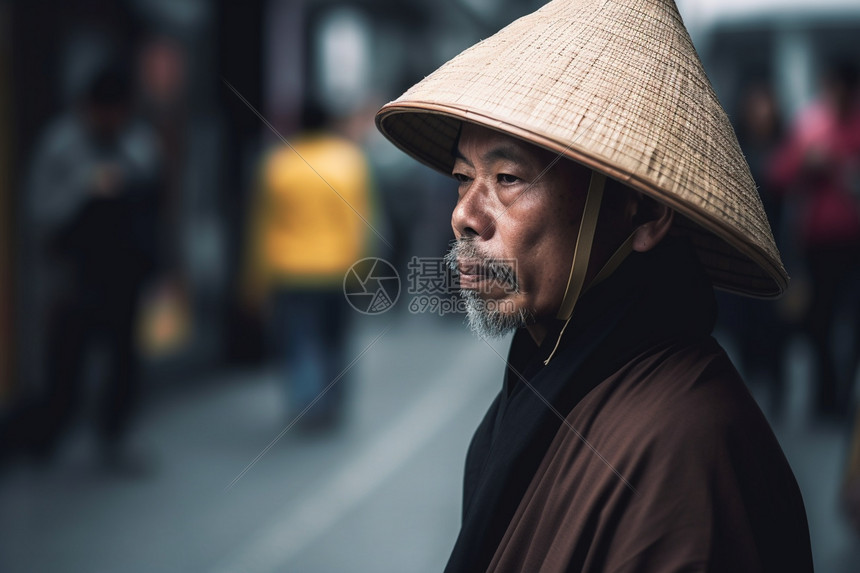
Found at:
(582, 253)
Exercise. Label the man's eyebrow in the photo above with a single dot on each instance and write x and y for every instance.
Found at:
(459, 155)
(501, 153)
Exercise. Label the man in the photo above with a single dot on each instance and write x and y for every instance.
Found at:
(602, 195)
(92, 210)
(304, 238)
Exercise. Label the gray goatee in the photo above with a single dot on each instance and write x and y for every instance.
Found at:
(488, 318)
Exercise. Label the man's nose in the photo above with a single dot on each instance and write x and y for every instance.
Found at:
(471, 216)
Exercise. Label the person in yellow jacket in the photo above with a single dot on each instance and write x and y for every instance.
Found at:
(308, 227)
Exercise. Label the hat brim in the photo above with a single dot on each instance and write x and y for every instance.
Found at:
(428, 132)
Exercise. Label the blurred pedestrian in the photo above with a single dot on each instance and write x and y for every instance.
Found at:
(92, 213)
(759, 328)
(307, 229)
(163, 77)
(819, 165)
(602, 196)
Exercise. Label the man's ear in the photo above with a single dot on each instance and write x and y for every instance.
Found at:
(658, 221)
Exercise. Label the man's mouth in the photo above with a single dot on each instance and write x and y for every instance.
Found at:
(472, 273)
(470, 268)
(475, 274)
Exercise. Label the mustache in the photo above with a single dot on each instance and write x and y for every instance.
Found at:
(501, 271)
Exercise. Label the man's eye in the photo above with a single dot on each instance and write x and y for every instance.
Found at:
(461, 177)
(507, 178)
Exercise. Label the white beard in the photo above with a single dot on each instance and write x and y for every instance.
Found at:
(488, 318)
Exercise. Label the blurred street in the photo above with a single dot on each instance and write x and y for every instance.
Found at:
(380, 494)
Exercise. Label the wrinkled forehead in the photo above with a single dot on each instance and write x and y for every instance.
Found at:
(477, 143)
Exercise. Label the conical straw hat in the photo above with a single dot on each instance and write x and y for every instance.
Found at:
(615, 85)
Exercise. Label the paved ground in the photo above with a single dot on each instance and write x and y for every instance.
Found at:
(381, 495)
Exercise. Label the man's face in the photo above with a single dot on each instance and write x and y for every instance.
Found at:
(515, 205)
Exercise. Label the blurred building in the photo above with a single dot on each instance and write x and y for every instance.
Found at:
(352, 56)
(348, 54)
(785, 41)
(7, 347)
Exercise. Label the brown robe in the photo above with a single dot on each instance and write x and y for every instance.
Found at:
(664, 461)
(701, 482)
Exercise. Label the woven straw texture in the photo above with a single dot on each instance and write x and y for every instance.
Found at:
(616, 85)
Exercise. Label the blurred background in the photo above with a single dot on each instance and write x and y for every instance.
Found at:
(170, 309)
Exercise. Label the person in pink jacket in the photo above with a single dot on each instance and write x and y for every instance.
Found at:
(819, 165)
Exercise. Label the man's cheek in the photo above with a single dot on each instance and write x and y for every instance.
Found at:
(530, 283)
